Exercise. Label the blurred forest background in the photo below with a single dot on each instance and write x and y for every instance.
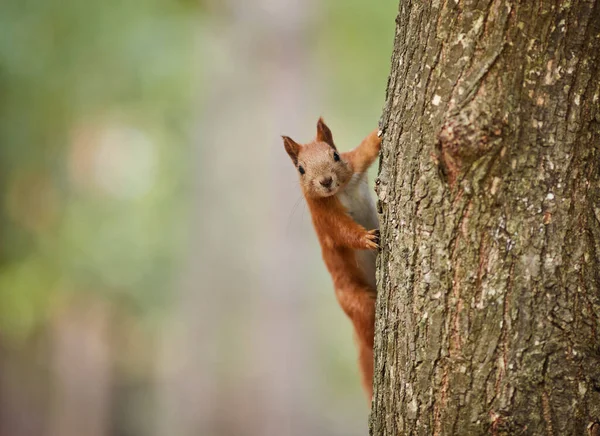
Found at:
(158, 273)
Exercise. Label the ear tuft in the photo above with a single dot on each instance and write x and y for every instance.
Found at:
(292, 148)
(324, 134)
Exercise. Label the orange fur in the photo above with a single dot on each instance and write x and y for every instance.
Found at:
(365, 154)
(340, 236)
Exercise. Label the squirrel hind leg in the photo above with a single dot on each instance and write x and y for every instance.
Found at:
(358, 302)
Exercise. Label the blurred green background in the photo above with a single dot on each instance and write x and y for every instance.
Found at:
(158, 270)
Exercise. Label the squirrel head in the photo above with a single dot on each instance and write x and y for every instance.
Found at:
(321, 169)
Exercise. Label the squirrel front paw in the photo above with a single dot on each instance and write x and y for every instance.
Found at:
(371, 239)
(375, 137)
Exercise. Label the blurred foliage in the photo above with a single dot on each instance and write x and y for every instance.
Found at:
(101, 104)
(94, 114)
(357, 38)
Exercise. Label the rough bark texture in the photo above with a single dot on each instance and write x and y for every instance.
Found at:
(488, 317)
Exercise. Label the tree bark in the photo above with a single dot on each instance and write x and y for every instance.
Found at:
(488, 313)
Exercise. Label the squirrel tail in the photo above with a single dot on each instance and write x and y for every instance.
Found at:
(358, 301)
(365, 364)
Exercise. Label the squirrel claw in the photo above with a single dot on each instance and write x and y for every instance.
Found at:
(372, 239)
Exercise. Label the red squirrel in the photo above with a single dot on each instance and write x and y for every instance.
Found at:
(343, 213)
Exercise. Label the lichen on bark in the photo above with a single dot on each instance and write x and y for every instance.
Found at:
(488, 312)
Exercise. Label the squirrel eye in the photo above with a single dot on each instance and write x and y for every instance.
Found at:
(336, 156)
(301, 169)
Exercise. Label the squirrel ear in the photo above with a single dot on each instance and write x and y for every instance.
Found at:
(292, 148)
(324, 134)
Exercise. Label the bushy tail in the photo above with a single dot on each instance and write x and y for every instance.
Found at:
(365, 363)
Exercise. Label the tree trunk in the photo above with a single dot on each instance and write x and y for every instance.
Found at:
(488, 313)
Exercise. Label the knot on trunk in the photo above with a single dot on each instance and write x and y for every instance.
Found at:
(463, 139)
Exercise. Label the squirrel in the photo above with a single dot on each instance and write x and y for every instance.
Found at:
(343, 213)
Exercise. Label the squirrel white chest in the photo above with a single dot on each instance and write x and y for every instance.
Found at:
(358, 201)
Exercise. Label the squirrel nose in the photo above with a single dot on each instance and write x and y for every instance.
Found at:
(326, 181)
